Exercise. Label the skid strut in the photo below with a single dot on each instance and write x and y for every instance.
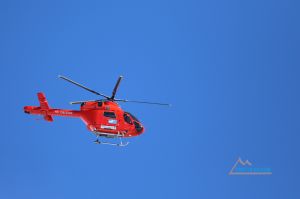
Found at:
(121, 143)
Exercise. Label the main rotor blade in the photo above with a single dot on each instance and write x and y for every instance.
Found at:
(86, 88)
(80, 102)
(116, 88)
(142, 102)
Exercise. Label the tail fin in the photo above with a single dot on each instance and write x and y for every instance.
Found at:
(40, 110)
(44, 106)
(43, 101)
(48, 112)
(48, 118)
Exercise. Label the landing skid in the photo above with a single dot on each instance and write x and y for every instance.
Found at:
(121, 143)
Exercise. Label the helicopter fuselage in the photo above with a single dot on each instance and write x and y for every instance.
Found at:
(103, 118)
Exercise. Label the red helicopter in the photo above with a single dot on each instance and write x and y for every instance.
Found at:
(104, 117)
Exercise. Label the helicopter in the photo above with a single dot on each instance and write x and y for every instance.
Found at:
(103, 117)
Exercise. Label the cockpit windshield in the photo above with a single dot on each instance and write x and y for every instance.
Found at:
(133, 117)
(138, 127)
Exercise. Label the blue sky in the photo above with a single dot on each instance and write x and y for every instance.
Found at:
(229, 68)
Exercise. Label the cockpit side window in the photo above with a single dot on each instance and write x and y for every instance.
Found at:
(109, 114)
(127, 118)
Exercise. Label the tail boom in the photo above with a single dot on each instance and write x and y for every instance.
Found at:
(37, 110)
(45, 110)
